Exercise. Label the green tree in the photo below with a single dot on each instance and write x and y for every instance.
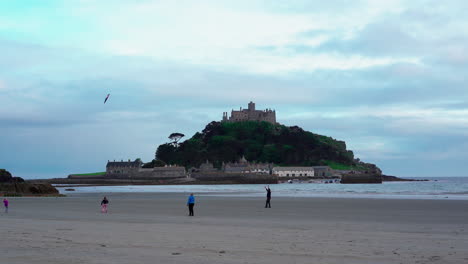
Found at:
(154, 163)
(175, 137)
(257, 141)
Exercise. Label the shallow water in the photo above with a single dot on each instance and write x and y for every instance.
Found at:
(436, 188)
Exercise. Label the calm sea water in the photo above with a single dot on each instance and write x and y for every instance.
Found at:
(436, 188)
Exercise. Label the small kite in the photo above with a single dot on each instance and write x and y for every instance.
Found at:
(107, 97)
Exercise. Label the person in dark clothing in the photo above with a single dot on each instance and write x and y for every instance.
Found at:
(267, 204)
(191, 203)
(104, 204)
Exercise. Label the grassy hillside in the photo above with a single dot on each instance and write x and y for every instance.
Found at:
(90, 174)
(257, 141)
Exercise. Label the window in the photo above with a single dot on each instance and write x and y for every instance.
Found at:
(287, 175)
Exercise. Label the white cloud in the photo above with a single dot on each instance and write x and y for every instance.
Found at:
(225, 36)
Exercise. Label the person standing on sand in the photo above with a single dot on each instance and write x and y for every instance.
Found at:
(5, 203)
(191, 203)
(267, 204)
(104, 203)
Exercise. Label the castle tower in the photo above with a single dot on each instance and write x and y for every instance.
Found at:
(250, 114)
(251, 106)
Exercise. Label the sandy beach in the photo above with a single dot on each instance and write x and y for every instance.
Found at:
(156, 228)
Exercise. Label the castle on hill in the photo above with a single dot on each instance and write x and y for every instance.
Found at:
(250, 114)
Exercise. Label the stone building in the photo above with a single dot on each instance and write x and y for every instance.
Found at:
(122, 167)
(250, 114)
(293, 171)
(313, 171)
(207, 167)
(323, 171)
(165, 172)
(243, 166)
(241, 171)
(134, 170)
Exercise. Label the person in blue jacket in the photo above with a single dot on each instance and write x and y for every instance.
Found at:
(191, 203)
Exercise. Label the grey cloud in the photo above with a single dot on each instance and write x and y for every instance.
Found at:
(378, 39)
(81, 100)
(402, 153)
(430, 30)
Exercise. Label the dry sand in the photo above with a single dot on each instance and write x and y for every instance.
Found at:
(155, 228)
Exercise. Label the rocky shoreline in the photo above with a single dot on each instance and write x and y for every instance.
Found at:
(66, 182)
(16, 186)
(395, 178)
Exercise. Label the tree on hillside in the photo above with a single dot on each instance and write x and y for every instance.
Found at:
(167, 153)
(154, 163)
(175, 137)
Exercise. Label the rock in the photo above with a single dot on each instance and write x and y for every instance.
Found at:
(5, 176)
(16, 186)
(394, 178)
(361, 178)
(24, 188)
(18, 179)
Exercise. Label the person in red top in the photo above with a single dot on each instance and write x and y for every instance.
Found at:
(104, 204)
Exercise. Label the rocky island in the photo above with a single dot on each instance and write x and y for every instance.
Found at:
(16, 186)
(248, 146)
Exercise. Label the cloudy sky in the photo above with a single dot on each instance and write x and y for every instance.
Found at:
(388, 77)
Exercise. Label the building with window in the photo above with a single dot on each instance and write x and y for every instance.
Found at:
(293, 171)
(250, 114)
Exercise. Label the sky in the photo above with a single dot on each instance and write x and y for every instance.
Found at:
(387, 77)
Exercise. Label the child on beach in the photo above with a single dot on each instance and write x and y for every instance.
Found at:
(191, 203)
(104, 203)
(5, 203)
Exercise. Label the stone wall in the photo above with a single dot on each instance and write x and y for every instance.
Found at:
(361, 178)
(141, 173)
(252, 178)
(121, 170)
(73, 176)
(256, 115)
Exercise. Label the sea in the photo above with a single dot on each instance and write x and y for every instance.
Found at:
(452, 188)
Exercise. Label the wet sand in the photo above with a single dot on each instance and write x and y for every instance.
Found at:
(156, 228)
